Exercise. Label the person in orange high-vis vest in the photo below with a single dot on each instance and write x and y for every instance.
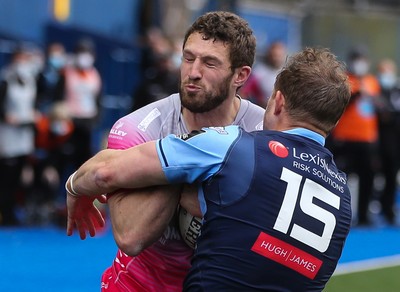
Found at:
(356, 135)
(81, 88)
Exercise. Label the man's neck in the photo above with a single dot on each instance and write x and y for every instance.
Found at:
(223, 115)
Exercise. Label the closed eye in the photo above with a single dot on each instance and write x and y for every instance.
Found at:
(188, 60)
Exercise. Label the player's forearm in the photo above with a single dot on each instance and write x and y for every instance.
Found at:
(110, 170)
(95, 176)
(139, 217)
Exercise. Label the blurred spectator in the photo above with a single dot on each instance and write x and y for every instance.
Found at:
(177, 53)
(389, 135)
(261, 82)
(17, 117)
(159, 82)
(53, 131)
(156, 43)
(160, 74)
(48, 160)
(81, 86)
(37, 60)
(356, 135)
(49, 77)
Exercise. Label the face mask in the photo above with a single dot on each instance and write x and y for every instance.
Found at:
(360, 67)
(387, 80)
(59, 128)
(23, 70)
(57, 61)
(84, 60)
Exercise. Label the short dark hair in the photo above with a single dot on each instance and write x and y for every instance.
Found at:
(231, 29)
(315, 86)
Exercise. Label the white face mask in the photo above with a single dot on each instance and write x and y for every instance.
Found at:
(84, 60)
(360, 67)
(24, 70)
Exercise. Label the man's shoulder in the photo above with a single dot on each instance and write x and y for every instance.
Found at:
(160, 108)
(251, 116)
(148, 122)
(171, 102)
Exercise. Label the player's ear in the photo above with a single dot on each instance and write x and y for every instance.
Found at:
(279, 102)
(241, 75)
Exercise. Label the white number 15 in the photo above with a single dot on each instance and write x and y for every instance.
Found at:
(310, 191)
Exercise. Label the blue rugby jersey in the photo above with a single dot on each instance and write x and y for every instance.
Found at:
(276, 208)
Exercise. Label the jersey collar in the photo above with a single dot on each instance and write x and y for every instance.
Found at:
(308, 134)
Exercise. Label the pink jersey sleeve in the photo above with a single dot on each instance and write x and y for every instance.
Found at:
(125, 134)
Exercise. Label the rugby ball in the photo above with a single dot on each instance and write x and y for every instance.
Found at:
(190, 227)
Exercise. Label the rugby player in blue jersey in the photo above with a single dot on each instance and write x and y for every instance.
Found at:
(276, 208)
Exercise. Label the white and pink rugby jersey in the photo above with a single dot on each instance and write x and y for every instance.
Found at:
(163, 265)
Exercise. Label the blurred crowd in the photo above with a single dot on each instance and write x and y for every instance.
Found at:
(50, 104)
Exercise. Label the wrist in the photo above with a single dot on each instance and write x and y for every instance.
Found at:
(69, 186)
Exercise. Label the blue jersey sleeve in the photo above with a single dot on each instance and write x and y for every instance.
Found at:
(195, 157)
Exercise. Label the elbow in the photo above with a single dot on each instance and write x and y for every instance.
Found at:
(128, 244)
(104, 177)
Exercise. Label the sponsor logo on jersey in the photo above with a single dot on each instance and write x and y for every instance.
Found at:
(323, 171)
(151, 116)
(287, 255)
(116, 129)
(305, 161)
(278, 149)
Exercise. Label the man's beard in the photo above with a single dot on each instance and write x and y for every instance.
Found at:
(201, 102)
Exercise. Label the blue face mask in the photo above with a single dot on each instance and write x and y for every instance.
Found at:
(57, 62)
(387, 80)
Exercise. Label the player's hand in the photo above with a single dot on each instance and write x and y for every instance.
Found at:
(83, 215)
